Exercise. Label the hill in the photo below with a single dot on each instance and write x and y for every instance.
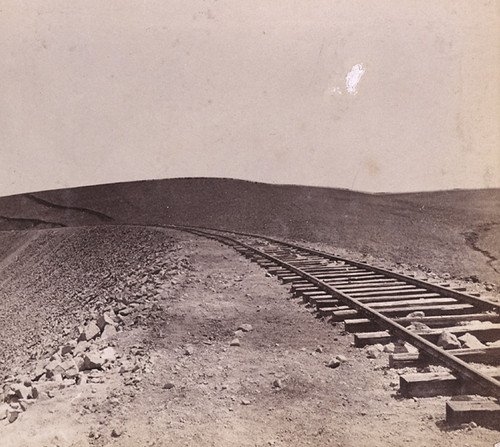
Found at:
(455, 232)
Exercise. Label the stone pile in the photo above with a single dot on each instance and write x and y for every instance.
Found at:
(72, 364)
(125, 299)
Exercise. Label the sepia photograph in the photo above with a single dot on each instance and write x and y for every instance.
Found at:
(250, 223)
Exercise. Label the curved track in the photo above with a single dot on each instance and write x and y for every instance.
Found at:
(380, 306)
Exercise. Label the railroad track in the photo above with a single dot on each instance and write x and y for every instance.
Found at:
(380, 307)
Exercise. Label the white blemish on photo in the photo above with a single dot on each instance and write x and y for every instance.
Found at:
(353, 77)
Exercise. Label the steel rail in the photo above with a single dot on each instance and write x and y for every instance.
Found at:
(461, 368)
(481, 303)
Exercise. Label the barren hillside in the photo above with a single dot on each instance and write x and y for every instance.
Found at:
(455, 232)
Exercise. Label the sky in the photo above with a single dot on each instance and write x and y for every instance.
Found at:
(385, 96)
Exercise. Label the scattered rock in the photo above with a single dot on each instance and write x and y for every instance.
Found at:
(448, 340)
(108, 354)
(235, 342)
(108, 332)
(126, 311)
(335, 363)
(23, 392)
(12, 415)
(416, 326)
(81, 347)
(81, 379)
(470, 341)
(4, 408)
(106, 319)
(68, 348)
(373, 352)
(90, 332)
(70, 368)
(80, 362)
(39, 370)
(53, 368)
(128, 366)
(116, 432)
(92, 360)
(389, 347)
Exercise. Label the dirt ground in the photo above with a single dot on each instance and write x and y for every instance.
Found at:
(177, 376)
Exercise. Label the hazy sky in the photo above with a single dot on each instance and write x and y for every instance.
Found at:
(99, 91)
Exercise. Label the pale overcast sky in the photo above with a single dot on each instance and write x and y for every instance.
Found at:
(388, 95)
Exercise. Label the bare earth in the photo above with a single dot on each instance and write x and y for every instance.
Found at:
(175, 379)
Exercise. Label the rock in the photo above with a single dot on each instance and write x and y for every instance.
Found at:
(81, 379)
(417, 314)
(12, 415)
(58, 378)
(4, 408)
(56, 357)
(9, 397)
(80, 362)
(108, 332)
(34, 392)
(188, 350)
(319, 349)
(39, 370)
(235, 342)
(90, 332)
(22, 392)
(471, 342)
(116, 432)
(68, 348)
(71, 368)
(92, 360)
(373, 352)
(335, 363)
(81, 347)
(128, 366)
(126, 311)
(105, 319)
(389, 347)
(108, 354)
(416, 326)
(24, 404)
(341, 358)
(245, 402)
(245, 327)
(277, 383)
(238, 333)
(25, 392)
(53, 368)
(168, 386)
(448, 340)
